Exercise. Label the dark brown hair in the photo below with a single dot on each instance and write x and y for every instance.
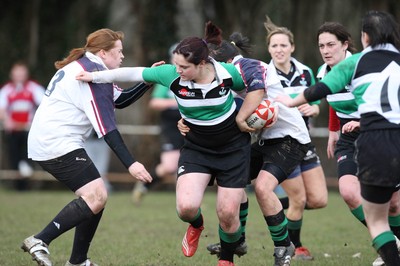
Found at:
(340, 32)
(195, 49)
(237, 44)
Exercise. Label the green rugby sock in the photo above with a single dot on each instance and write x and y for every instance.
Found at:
(359, 214)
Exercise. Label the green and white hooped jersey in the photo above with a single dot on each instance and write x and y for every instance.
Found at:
(205, 104)
(344, 102)
(375, 84)
(201, 104)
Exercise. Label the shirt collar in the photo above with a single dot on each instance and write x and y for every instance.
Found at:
(94, 58)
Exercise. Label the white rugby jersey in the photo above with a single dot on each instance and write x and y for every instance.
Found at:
(69, 111)
(290, 122)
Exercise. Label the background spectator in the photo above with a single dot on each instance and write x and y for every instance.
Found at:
(19, 99)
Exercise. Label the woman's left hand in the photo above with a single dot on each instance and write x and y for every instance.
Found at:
(184, 129)
(351, 126)
(244, 127)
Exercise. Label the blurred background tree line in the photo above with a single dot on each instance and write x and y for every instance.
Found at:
(44, 31)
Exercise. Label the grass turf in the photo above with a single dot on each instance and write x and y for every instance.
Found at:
(151, 234)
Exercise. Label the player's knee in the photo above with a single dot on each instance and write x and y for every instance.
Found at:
(317, 203)
(229, 220)
(263, 192)
(228, 213)
(265, 185)
(186, 211)
(350, 197)
(96, 200)
(101, 200)
(298, 201)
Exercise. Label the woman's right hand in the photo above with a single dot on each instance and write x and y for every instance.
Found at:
(332, 139)
(159, 63)
(138, 171)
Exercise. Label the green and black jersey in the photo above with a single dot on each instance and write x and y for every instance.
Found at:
(208, 109)
(374, 78)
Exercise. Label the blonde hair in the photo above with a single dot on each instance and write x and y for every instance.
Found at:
(103, 39)
(272, 29)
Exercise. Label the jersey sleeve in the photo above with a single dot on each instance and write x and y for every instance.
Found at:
(122, 74)
(341, 74)
(163, 74)
(312, 82)
(131, 95)
(3, 98)
(238, 83)
(334, 122)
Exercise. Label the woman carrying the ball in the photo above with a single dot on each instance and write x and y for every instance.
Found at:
(215, 148)
(278, 149)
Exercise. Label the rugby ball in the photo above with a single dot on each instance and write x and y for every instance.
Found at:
(262, 116)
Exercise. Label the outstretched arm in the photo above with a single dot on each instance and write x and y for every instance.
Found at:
(131, 95)
(289, 101)
(311, 94)
(122, 74)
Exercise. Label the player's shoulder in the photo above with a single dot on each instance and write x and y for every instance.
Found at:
(245, 61)
(6, 87)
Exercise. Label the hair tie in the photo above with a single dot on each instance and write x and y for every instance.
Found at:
(232, 42)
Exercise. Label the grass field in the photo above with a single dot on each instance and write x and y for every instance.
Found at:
(151, 234)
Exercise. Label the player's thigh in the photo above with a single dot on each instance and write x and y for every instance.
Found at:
(294, 187)
(190, 189)
(315, 185)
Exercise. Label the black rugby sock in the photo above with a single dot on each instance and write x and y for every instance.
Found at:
(277, 225)
(244, 212)
(70, 216)
(84, 233)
